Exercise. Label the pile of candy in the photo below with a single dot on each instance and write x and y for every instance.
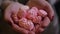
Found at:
(28, 17)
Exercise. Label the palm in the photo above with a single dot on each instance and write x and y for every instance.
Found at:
(42, 4)
(13, 9)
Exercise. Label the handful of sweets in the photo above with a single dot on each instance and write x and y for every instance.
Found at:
(29, 18)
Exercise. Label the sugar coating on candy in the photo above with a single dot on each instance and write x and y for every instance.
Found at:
(27, 24)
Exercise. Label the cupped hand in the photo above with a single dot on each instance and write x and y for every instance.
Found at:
(42, 4)
(13, 9)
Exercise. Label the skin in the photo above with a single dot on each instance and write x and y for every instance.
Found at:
(42, 4)
(46, 6)
(8, 12)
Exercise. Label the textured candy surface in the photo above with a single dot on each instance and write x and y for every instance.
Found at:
(29, 17)
(42, 13)
(27, 24)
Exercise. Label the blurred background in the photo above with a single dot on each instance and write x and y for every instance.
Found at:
(53, 28)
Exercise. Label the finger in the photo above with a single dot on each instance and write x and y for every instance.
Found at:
(42, 4)
(19, 29)
(49, 10)
(37, 3)
(50, 13)
(7, 16)
(41, 30)
(15, 18)
(45, 22)
(11, 21)
(31, 32)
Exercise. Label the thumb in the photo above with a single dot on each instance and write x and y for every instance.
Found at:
(45, 22)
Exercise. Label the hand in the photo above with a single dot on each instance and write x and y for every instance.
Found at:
(42, 4)
(13, 9)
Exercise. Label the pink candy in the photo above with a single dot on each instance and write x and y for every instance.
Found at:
(42, 13)
(27, 24)
(32, 13)
(37, 19)
(27, 18)
(21, 13)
